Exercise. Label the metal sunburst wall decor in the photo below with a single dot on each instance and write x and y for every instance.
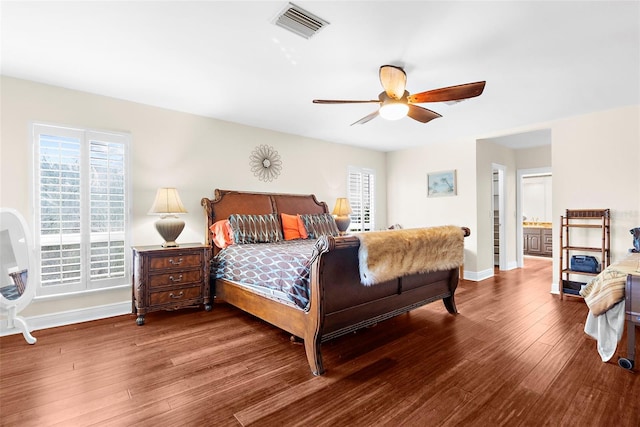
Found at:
(265, 163)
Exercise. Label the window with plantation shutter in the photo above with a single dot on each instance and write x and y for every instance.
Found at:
(81, 200)
(361, 187)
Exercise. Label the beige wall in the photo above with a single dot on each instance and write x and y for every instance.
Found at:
(195, 154)
(537, 192)
(594, 160)
(408, 203)
(595, 165)
(533, 158)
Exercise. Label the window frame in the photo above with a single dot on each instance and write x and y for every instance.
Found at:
(87, 136)
(357, 200)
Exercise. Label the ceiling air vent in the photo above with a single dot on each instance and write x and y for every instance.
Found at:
(299, 21)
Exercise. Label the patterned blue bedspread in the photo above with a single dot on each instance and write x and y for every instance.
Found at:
(283, 267)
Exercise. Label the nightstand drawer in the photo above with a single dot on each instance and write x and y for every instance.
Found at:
(175, 295)
(177, 278)
(176, 261)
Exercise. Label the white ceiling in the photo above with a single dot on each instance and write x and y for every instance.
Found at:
(542, 60)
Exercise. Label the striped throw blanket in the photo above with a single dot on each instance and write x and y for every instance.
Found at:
(607, 288)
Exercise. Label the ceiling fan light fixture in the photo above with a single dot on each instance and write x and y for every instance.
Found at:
(393, 110)
(396, 102)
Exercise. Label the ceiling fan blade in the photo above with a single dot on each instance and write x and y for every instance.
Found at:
(365, 119)
(343, 101)
(393, 80)
(422, 115)
(451, 93)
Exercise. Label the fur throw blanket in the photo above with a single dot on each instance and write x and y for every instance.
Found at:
(386, 255)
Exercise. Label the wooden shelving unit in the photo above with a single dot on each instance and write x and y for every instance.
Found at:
(599, 220)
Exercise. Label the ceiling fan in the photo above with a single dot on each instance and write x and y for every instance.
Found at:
(395, 102)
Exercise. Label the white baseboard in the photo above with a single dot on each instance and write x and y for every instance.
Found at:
(477, 276)
(69, 317)
(512, 265)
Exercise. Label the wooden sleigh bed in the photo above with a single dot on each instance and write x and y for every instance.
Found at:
(338, 303)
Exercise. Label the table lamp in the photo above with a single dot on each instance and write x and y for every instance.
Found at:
(168, 204)
(341, 212)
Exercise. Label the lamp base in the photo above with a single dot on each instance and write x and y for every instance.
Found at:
(169, 228)
(342, 222)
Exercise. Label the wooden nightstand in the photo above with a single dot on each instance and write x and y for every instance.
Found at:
(170, 278)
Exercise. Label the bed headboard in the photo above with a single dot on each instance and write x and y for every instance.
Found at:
(228, 202)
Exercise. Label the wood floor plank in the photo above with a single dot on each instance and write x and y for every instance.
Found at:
(593, 399)
(553, 362)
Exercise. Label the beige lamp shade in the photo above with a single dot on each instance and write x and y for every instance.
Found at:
(341, 211)
(168, 204)
(342, 207)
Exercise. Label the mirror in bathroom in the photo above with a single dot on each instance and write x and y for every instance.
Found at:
(17, 285)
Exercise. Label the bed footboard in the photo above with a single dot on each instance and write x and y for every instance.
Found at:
(632, 319)
(342, 304)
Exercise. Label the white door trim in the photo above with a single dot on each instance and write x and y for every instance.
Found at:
(502, 257)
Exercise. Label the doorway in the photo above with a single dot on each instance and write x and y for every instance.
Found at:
(533, 203)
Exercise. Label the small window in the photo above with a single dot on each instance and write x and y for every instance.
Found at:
(82, 208)
(361, 197)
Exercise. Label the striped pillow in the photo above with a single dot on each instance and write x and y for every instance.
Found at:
(255, 228)
(320, 225)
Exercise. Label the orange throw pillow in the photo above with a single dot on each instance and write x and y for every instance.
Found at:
(293, 227)
(221, 233)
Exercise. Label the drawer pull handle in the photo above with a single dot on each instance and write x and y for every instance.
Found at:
(178, 262)
(175, 280)
(180, 295)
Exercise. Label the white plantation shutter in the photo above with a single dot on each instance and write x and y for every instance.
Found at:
(81, 208)
(59, 199)
(361, 187)
(107, 208)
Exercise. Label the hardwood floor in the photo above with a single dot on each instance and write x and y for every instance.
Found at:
(515, 355)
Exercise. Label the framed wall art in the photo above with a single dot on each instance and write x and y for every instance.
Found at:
(441, 184)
